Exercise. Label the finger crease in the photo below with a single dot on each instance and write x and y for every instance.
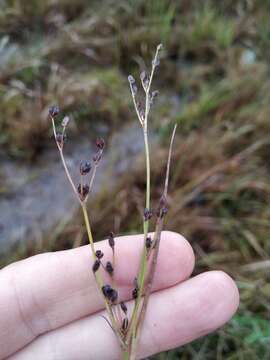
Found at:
(24, 318)
(42, 324)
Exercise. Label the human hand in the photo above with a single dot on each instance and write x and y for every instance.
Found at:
(50, 307)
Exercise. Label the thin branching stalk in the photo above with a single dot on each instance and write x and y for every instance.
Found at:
(60, 148)
(88, 230)
(154, 255)
(126, 330)
(143, 118)
(156, 240)
(98, 276)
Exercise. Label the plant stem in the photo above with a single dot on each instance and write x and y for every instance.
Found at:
(147, 206)
(67, 172)
(143, 265)
(133, 348)
(98, 276)
(147, 159)
(125, 355)
(88, 229)
(60, 148)
(99, 279)
(146, 223)
(156, 242)
(143, 268)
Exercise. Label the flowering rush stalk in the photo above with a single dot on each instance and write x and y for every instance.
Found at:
(125, 326)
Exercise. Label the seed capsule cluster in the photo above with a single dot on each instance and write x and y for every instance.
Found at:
(96, 265)
(109, 268)
(135, 291)
(54, 111)
(110, 293)
(83, 191)
(99, 254)
(147, 214)
(83, 188)
(148, 242)
(85, 167)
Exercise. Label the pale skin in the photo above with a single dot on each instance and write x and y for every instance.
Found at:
(50, 308)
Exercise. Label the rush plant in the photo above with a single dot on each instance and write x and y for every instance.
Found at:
(125, 322)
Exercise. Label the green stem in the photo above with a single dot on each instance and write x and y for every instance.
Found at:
(132, 333)
(146, 223)
(133, 348)
(88, 229)
(147, 158)
(125, 355)
(153, 264)
(143, 266)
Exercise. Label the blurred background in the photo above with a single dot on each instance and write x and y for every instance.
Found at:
(213, 80)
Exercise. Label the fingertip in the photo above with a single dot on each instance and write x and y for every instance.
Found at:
(181, 255)
(219, 298)
(223, 285)
(189, 310)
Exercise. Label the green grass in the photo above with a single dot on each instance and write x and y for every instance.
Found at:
(209, 25)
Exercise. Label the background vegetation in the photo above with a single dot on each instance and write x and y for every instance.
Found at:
(214, 79)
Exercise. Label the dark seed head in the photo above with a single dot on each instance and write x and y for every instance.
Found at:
(106, 289)
(109, 293)
(100, 143)
(54, 111)
(147, 214)
(124, 324)
(109, 268)
(162, 207)
(123, 307)
(96, 265)
(99, 254)
(163, 212)
(148, 242)
(114, 296)
(83, 191)
(135, 293)
(111, 240)
(85, 167)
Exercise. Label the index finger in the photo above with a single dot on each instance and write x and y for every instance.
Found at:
(48, 291)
